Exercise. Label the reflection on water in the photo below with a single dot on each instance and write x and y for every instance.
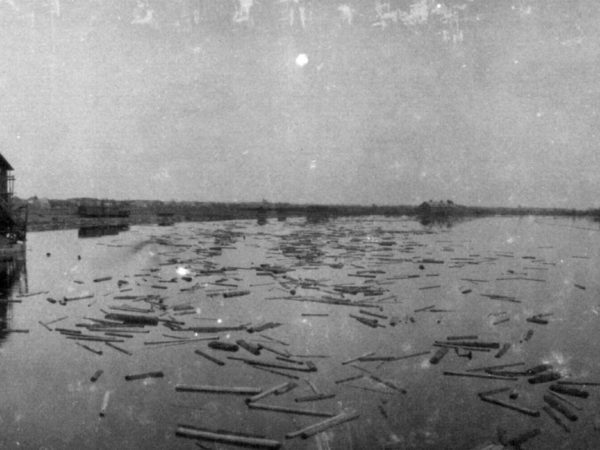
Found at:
(440, 221)
(101, 230)
(13, 279)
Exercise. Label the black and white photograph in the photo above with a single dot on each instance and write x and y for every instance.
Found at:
(300, 224)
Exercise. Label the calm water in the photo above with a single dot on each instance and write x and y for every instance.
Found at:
(550, 266)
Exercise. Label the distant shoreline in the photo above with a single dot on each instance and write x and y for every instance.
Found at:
(63, 214)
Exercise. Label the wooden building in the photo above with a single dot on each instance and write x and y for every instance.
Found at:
(13, 221)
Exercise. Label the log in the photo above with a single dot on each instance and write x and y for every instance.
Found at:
(231, 439)
(311, 430)
(556, 405)
(209, 357)
(269, 391)
(249, 346)
(502, 351)
(574, 392)
(283, 409)
(235, 293)
(544, 378)
(479, 375)
(97, 352)
(96, 375)
(523, 437)
(218, 389)
(132, 318)
(313, 398)
(225, 346)
(438, 355)
(520, 409)
(122, 350)
(556, 418)
(142, 376)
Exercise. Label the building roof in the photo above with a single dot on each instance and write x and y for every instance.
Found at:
(4, 164)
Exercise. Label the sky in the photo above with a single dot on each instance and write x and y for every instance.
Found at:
(492, 103)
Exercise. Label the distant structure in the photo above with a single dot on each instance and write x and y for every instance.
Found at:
(92, 208)
(439, 211)
(165, 218)
(261, 215)
(13, 221)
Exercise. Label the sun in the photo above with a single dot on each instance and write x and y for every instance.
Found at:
(301, 60)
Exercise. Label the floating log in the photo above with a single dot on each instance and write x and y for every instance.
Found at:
(391, 358)
(462, 338)
(310, 367)
(81, 297)
(544, 378)
(357, 358)
(179, 341)
(499, 366)
(270, 391)
(555, 418)
(523, 437)
(505, 347)
(556, 405)
(538, 369)
(474, 344)
(218, 389)
(225, 346)
(78, 337)
(44, 325)
(118, 334)
(276, 372)
(498, 322)
(438, 355)
(283, 409)
(235, 293)
(285, 389)
(31, 294)
(131, 318)
(538, 320)
(424, 308)
(380, 380)
(98, 280)
(212, 329)
(90, 349)
(463, 347)
(277, 352)
(514, 407)
(373, 323)
(494, 391)
(313, 398)
(580, 383)
(249, 346)
(566, 400)
(478, 375)
(96, 375)
(142, 376)
(122, 350)
(369, 313)
(230, 439)
(311, 430)
(275, 340)
(209, 357)
(263, 327)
